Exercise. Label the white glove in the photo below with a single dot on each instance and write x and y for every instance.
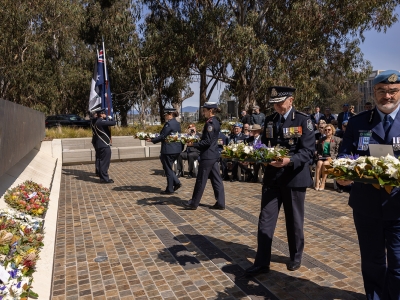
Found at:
(109, 117)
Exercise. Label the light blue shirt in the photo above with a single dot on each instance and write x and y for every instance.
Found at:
(287, 113)
(393, 114)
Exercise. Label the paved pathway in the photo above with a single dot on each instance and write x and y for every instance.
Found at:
(153, 249)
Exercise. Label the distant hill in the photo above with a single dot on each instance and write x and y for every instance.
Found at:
(190, 109)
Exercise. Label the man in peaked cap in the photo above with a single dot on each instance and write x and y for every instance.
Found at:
(285, 181)
(103, 144)
(376, 212)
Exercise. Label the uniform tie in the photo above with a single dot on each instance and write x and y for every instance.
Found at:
(280, 123)
(387, 123)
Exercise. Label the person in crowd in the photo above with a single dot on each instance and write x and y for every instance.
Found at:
(327, 117)
(327, 147)
(209, 161)
(316, 116)
(285, 181)
(351, 109)
(257, 117)
(346, 114)
(254, 139)
(307, 111)
(170, 151)
(190, 154)
(335, 124)
(320, 130)
(368, 106)
(376, 212)
(236, 137)
(103, 144)
(246, 130)
(340, 133)
(93, 121)
(246, 118)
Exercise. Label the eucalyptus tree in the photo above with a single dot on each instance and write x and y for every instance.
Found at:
(198, 30)
(42, 60)
(300, 43)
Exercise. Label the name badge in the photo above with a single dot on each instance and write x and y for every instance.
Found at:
(269, 131)
(396, 143)
(363, 140)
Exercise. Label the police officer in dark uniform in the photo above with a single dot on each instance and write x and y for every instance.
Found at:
(103, 144)
(209, 161)
(285, 182)
(376, 212)
(94, 136)
(169, 150)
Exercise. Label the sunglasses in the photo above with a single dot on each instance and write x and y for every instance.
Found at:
(328, 129)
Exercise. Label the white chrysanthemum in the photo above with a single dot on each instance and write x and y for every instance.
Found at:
(361, 159)
(392, 172)
(247, 149)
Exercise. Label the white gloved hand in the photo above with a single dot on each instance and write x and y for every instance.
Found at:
(109, 117)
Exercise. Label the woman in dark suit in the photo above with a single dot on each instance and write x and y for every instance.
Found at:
(169, 151)
(209, 160)
(327, 148)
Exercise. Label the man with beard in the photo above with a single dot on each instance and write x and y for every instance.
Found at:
(376, 212)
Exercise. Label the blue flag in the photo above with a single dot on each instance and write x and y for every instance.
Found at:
(100, 93)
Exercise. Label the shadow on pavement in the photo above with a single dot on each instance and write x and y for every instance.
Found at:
(138, 188)
(81, 175)
(232, 259)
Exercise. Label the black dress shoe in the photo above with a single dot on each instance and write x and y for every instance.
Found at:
(339, 191)
(293, 265)
(217, 206)
(106, 181)
(234, 179)
(186, 205)
(226, 178)
(177, 187)
(180, 174)
(190, 175)
(255, 270)
(166, 193)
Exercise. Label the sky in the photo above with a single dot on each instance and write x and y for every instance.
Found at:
(381, 49)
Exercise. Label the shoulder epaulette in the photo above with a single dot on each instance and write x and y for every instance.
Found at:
(301, 113)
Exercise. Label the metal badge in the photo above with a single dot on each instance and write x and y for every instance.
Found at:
(392, 78)
(269, 132)
(291, 142)
(210, 128)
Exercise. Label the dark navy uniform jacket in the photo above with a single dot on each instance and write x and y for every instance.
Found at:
(103, 135)
(170, 127)
(364, 198)
(237, 138)
(301, 149)
(208, 145)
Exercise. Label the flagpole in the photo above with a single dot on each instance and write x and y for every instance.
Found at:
(106, 79)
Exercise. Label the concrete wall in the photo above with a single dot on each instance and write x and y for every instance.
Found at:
(21, 130)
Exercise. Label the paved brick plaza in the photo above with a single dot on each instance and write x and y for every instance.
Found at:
(156, 250)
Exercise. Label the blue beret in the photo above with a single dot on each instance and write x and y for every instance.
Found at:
(389, 76)
(210, 105)
(279, 93)
(238, 125)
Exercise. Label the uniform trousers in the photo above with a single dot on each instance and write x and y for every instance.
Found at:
(380, 256)
(293, 204)
(167, 161)
(190, 157)
(97, 161)
(208, 169)
(104, 157)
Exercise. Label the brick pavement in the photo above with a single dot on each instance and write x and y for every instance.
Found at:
(153, 249)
